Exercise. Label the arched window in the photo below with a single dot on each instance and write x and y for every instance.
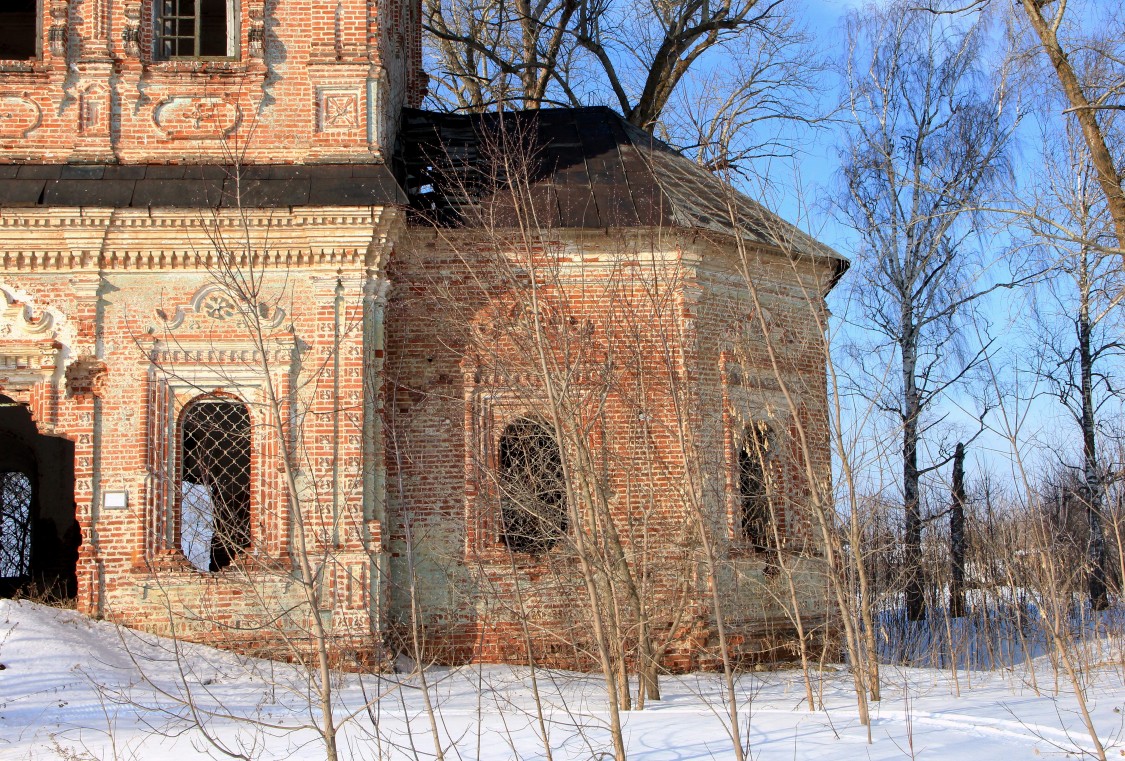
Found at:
(214, 481)
(755, 519)
(532, 491)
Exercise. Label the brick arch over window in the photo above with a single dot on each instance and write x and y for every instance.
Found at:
(755, 513)
(533, 514)
(215, 478)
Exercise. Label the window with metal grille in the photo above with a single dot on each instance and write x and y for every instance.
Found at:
(15, 525)
(19, 30)
(755, 515)
(214, 482)
(532, 491)
(194, 29)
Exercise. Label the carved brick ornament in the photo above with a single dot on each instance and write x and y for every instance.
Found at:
(87, 376)
(56, 36)
(131, 32)
(19, 115)
(29, 351)
(256, 34)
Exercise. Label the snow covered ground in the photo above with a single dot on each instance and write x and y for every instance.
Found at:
(73, 688)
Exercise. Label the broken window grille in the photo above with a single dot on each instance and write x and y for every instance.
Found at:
(532, 490)
(15, 525)
(19, 30)
(755, 515)
(215, 482)
(194, 29)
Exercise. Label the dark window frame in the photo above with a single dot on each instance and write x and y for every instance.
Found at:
(533, 513)
(755, 518)
(35, 49)
(230, 517)
(182, 22)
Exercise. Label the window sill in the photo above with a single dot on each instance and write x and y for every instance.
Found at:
(201, 67)
(498, 553)
(743, 551)
(745, 547)
(740, 550)
(173, 561)
(31, 66)
(169, 560)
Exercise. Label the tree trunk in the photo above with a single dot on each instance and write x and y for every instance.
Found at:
(957, 536)
(1101, 158)
(1092, 485)
(912, 546)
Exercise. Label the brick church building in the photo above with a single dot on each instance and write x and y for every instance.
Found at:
(284, 358)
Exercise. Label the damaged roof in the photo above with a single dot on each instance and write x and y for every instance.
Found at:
(197, 186)
(586, 168)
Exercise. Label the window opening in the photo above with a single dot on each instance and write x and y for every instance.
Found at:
(215, 484)
(532, 491)
(19, 30)
(193, 29)
(15, 525)
(755, 515)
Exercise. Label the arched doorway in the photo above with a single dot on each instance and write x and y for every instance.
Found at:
(39, 535)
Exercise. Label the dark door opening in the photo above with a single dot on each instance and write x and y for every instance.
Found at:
(39, 534)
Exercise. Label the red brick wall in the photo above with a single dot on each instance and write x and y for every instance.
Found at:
(761, 352)
(98, 92)
(638, 348)
(167, 331)
(659, 345)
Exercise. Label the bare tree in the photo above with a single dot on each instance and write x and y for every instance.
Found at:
(957, 539)
(711, 78)
(486, 54)
(1077, 316)
(1090, 69)
(758, 105)
(646, 49)
(1083, 45)
(925, 145)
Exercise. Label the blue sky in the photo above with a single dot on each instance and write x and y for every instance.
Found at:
(799, 190)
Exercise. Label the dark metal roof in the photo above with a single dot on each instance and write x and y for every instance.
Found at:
(197, 186)
(588, 168)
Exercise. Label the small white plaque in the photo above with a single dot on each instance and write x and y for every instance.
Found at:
(115, 500)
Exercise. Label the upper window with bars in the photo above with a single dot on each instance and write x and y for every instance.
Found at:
(19, 30)
(195, 29)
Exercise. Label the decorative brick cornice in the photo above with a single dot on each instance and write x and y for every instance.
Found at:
(81, 239)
